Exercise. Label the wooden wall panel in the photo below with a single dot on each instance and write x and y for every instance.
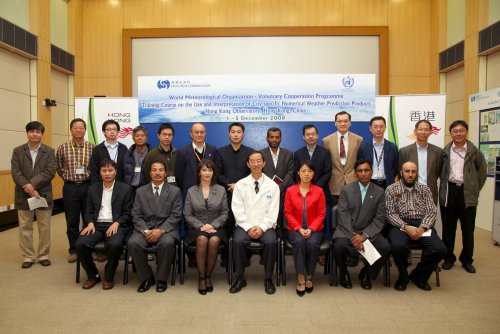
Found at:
(229, 13)
(320, 12)
(7, 185)
(365, 13)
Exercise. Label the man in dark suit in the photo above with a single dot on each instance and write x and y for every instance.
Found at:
(112, 149)
(429, 158)
(156, 215)
(107, 217)
(361, 217)
(382, 153)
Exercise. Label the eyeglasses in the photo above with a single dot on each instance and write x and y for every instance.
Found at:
(111, 129)
(457, 131)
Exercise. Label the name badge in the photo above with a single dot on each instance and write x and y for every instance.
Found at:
(171, 179)
(79, 170)
(379, 174)
(137, 169)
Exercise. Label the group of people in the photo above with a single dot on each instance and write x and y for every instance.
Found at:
(138, 196)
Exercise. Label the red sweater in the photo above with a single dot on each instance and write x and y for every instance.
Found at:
(315, 208)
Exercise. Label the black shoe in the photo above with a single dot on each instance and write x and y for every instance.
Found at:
(364, 279)
(402, 282)
(45, 262)
(161, 286)
(269, 287)
(238, 285)
(146, 284)
(421, 285)
(310, 288)
(210, 287)
(27, 264)
(346, 283)
(469, 268)
(352, 261)
(202, 285)
(301, 293)
(447, 265)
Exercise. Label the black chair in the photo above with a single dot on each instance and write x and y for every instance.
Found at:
(416, 251)
(175, 262)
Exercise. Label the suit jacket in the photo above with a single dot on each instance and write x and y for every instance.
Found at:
(353, 216)
(342, 174)
(322, 163)
(198, 213)
(40, 176)
(391, 156)
(283, 169)
(124, 162)
(122, 200)
(164, 214)
(232, 167)
(435, 158)
(186, 165)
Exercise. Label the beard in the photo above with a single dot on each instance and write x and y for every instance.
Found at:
(409, 184)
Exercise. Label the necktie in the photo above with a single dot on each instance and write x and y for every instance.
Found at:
(157, 193)
(342, 147)
(256, 187)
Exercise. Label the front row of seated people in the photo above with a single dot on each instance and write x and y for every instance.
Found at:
(363, 210)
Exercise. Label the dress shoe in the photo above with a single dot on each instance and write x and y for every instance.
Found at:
(365, 281)
(421, 285)
(45, 262)
(269, 287)
(26, 264)
(401, 282)
(346, 283)
(301, 289)
(91, 282)
(469, 268)
(238, 285)
(202, 285)
(72, 258)
(309, 285)
(210, 287)
(161, 286)
(108, 285)
(447, 265)
(146, 284)
(352, 261)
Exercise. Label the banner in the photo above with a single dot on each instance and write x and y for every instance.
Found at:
(255, 98)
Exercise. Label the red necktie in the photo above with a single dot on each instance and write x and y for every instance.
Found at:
(342, 147)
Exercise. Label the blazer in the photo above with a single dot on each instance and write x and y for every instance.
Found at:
(40, 176)
(322, 163)
(342, 174)
(283, 169)
(391, 156)
(198, 213)
(186, 165)
(124, 161)
(353, 216)
(122, 200)
(164, 214)
(435, 158)
(315, 208)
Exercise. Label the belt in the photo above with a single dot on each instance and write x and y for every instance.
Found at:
(455, 184)
(77, 182)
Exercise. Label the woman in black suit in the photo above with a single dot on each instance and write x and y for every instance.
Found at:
(205, 212)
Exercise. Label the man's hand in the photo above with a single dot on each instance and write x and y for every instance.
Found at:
(208, 228)
(112, 229)
(28, 188)
(230, 187)
(412, 232)
(357, 241)
(255, 232)
(90, 229)
(152, 236)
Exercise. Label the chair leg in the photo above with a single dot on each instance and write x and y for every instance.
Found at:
(331, 265)
(182, 256)
(125, 267)
(230, 262)
(283, 263)
(278, 264)
(77, 270)
(438, 283)
(174, 265)
(387, 273)
(335, 272)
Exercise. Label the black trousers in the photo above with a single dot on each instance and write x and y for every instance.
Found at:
(86, 243)
(74, 201)
(433, 251)
(241, 240)
(305, 251)
(455, 211)
(342, 249)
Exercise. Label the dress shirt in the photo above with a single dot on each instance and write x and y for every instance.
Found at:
(346, 145)
(199, 149)
(378, 161)
(457, 160)
(422, 163)
(363, 191)
(71, 156)
(34, 153)
(106, 213)
(158, 186)
(275, 156)
(112, 150)
(311, 151)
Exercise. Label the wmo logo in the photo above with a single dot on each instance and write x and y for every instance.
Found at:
(163, 84)
(348, 82)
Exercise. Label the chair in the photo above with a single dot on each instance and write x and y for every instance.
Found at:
(175, 264)
(413, 246)
(185, 248)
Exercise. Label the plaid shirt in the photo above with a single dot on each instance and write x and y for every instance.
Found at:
(69, 156)
(410, 203)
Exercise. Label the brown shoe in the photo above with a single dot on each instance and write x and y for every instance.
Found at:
(91, 282)
(45, 262)
(26, 264)
(108, 285)
(72, 258)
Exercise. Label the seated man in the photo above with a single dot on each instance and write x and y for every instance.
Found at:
(256, 202)
(107, 217)
(361, 216)
(156, 215)
(411, 211)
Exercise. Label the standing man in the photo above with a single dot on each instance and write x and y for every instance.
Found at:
(343, 146)
(73, 159)
(107, 217)
(411, 212)
(138, 152)
(462, 178)
(255, 206)
(112, 149)
(361, 217)
(165, 152)
(428, 157)
(381, 153)
(156, 215)
(33, 167)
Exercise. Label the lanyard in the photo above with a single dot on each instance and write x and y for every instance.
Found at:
(458, 153)
(377, 159)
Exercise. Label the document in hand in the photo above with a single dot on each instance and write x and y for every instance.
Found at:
(35, 203)
(370, 253)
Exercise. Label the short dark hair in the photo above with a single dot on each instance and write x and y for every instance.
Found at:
(158, 162)
(377, 118)
(108, 162)
(307, 163)
(76, 120)
(459, 122)
(236, 124)
(255, 152)
(273, 129)
(423, 121)
(164, 126)
(307, 127)
(140, 128)
(340, 113)
(35, 125)
(108, 122)
(362, 161)
(209, 164)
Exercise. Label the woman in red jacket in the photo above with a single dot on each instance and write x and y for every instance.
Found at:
(305, 210)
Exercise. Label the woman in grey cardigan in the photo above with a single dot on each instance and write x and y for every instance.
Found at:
(205, 212)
